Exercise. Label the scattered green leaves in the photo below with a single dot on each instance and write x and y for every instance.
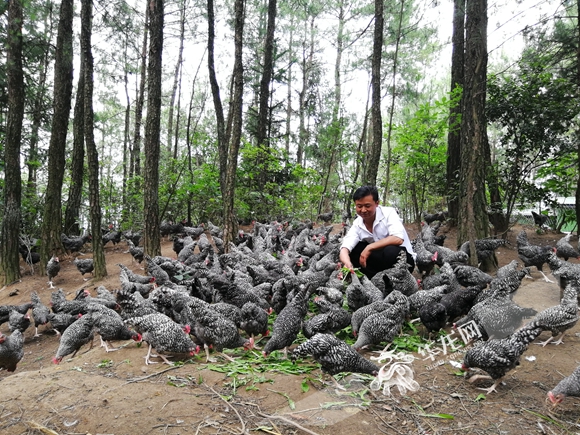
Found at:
(480, 397)
(105, 364)
(291, 403)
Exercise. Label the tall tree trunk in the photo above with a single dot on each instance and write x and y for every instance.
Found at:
(100, 267)
(9, 262)
(135, 165)
(151, 242)
(126, 139)
(177, 116)
(268, 67)
(63, 76)
(307, 61)
(176, 77)
(288, 133)
(473, 220)
(326, 201)
(454, 136)
(374, 154)
(235, 115)
(38, 111)
(398, 38)
(77, 170)
(217, 101)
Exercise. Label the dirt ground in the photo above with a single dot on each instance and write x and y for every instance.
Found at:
(116, 393)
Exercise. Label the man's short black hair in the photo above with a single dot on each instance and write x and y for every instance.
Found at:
(363, 191)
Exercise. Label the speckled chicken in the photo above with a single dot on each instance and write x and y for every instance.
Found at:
(217, 331)
(288, 323)
(110, 326)
(163, 335)
(18, 322)
(362, 313)
(334, 355)
(565, 250)
(385, 325)
(433, 316)
(569, 386)
(238, 295)
(563, 271)
(484, 248)
(40, 312)
(397, 277)
(496, 317)
(254, 320)
(11, 350)
(84, 265)
(560, 318)
(459, 302)
(60, 321)
(133, 286)
(361, 292)
(134, 305)
(506, 286)
(59, 303)
(5, 310)
(330, 320)
(533, 255)
(136, 252)
(52, 269)
(498, 356)
(425, 259)
(471, 276)
(74, 337)
(426, 297)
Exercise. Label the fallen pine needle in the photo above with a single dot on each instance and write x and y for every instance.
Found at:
(44, 429)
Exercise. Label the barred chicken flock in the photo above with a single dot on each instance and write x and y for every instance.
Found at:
(207, 299)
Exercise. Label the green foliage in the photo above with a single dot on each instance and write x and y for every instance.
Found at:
(535, 111)
(288, 190)
(419, 155)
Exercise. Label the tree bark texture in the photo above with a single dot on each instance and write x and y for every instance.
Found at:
(454, 137)
(215, 91)
(63, 77)
(73, 206)
(151, 242)
(176, 76)
(228, 194)
(473, 222)
(9, 263)
(374, 153)
(135, 161)
(100, 268)
(268, 67)
(393, 100)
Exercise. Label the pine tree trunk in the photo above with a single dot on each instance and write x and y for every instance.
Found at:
(63, 76)
(398, 38)
(176, 78)
(72, 212)
(38, 113)
(302, 100)
(268, 67)
(374, 155)
(9, 264)
(473, 220)
(454, 137)
(125, 213)
(217, 102)
(100, 267)
(151, 242)
(135, 164)
(228, 194)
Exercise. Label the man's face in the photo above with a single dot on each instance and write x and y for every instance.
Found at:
(366, 207)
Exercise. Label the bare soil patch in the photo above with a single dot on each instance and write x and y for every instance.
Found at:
(116, 393)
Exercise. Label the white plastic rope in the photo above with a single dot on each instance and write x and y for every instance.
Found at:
(395, 372)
